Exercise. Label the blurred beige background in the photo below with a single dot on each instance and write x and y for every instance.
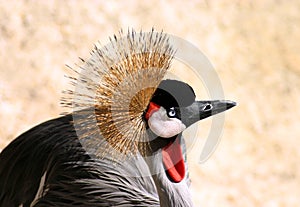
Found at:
(254, 46)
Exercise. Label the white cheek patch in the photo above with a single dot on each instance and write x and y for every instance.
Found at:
(164, 126)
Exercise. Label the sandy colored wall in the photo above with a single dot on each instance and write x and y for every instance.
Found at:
(254, 46)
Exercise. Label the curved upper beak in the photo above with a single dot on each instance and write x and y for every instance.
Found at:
(203, 109)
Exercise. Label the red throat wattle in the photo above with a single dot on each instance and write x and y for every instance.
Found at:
(173, 161)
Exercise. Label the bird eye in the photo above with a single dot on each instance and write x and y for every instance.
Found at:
(171, 112)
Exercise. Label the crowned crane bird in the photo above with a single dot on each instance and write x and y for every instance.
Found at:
(121, 146)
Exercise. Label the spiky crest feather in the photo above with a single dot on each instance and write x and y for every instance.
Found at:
(114, 88)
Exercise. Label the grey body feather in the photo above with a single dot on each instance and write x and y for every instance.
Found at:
(73, 178)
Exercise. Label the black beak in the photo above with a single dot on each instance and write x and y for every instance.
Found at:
(202, 109)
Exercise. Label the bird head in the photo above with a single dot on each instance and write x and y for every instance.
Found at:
(173, 108)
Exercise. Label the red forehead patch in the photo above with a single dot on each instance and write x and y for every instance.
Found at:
(153, 107)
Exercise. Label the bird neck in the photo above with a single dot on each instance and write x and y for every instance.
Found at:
(170, 194)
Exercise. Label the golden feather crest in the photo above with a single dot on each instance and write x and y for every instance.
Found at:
(113, 89)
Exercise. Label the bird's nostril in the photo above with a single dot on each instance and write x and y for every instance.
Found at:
(207, 107)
